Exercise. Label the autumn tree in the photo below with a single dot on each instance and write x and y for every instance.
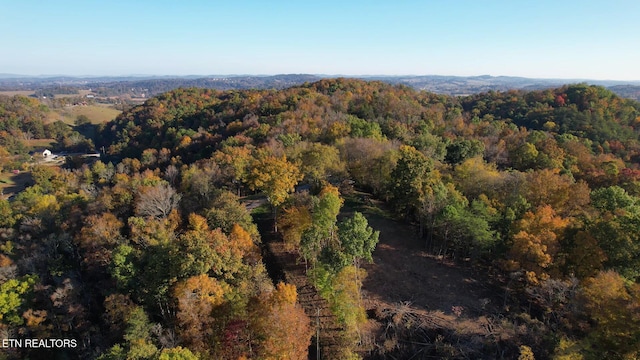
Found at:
(474, 177)
(117, 309)
(199, 184)
(536, 242)
(362, 155)
(562, 193)
(196, 298)
(234, 162)
(316, 161)
(275, 176)
(282, 325)
(100, 235)
(293, 222)
(614, 307)
(177, 353)
(225, 210)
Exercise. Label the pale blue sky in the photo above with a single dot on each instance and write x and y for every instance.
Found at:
(533, 38)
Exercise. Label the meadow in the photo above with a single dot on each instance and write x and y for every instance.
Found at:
(97, 113)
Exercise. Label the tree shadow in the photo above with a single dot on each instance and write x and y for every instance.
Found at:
(15, 183)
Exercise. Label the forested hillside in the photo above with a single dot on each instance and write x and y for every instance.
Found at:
(152, 253)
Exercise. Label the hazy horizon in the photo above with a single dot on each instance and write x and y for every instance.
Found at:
(588, 40)
(364, 76)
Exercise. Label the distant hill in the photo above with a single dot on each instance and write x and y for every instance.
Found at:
(468, 85)
(627, 91)
(146, 86)
(155, 86)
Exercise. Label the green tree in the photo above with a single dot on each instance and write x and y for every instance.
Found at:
(616, 230)
(611, 199)
(191, 253)
(6, 214)
(466, 230)
(13, 293)
(460, 150)
(177, 353)
(82, 120)
(410, 179)
(357, 238)
(324, 215)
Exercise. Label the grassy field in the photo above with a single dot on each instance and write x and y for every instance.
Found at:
(13, 93)
(81, 93)
(39, 143)
(97, 113)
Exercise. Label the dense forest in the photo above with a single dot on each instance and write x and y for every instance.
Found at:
(153, 253)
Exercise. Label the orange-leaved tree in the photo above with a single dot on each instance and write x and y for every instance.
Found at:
(536, 243)
(196, 298)
(282, 325)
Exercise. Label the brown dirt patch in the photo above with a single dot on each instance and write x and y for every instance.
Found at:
(403, 272)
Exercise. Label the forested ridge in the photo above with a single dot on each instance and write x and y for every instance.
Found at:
(152, 253)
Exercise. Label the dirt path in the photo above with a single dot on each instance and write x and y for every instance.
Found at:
(285, 266)
(316, 308)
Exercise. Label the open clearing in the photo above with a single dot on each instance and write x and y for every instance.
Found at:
(98, 113)
(403, 278)
(456, 300)
(402, 271)
(17, 92)
(39, 143)
(81, 93)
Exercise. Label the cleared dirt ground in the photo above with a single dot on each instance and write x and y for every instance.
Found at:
(448, 298)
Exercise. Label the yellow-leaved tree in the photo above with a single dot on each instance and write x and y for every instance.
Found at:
(275, 176)
(536, 242)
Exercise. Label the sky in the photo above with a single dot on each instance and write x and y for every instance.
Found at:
(568, 39)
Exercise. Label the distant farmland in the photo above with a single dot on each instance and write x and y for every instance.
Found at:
(81, 93)
(17, 92)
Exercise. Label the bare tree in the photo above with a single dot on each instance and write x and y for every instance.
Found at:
(157, 201)
(171, 174)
